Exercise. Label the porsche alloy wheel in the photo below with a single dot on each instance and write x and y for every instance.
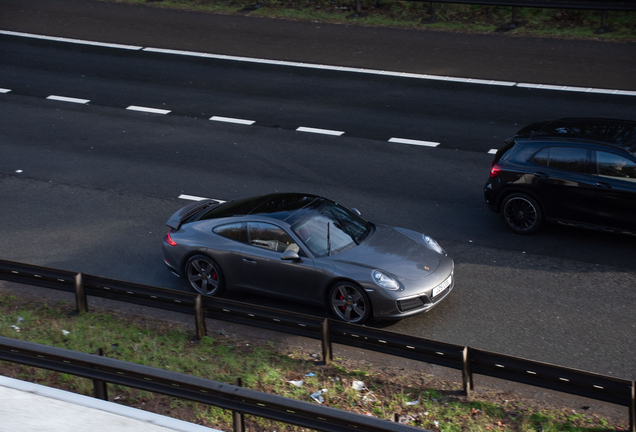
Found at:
(350, 303)
(204, 275)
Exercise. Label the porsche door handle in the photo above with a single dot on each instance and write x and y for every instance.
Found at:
(248, 261)
(541, 175)
(603, 185)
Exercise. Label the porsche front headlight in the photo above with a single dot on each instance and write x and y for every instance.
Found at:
(385, 281)
(431, 243)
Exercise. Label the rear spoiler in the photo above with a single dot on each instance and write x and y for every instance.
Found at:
(184, 213)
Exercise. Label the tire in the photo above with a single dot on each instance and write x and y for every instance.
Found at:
(349, 303)
(204, 275)
(521, 213)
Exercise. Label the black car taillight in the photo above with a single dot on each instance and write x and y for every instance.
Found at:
(495, 169)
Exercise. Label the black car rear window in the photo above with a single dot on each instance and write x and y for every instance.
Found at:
(505, 150)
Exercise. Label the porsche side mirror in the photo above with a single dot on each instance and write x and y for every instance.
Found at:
(356, 211)
(290, 255)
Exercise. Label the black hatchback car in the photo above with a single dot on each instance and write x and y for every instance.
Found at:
(573, 171)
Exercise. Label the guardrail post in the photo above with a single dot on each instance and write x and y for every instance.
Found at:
(327, 356)
(199, 316)
(358, 8)
(100, 389)
(431, 10)
(632, 409)
(513, 24)
(239, 420)
(603, 22)
(467, 372)
(80, 294)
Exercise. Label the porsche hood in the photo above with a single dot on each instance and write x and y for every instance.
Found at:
(394, 250)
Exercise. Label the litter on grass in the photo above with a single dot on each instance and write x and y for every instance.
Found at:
(317, 396)
(310, 374)
(412, 403)
(66, 333)
(358, 385)
(297, 383)
(406, 419)
(369, 397)
(16, 328)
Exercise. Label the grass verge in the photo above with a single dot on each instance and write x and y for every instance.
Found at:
(561, 23)
(419, 399)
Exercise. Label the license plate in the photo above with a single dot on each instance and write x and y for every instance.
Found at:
(441, 287)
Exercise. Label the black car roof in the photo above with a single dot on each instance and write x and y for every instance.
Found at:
(617, 133)
(282, 206)
(278, 206)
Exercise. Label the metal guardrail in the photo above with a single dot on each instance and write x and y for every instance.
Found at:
(599, 5)
(226, 396)
(468, 360)
(626, 5)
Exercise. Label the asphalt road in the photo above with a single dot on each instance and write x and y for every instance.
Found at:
(88, 187)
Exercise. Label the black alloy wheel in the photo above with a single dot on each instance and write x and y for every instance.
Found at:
(521, 213)
(204, 275)
(350, 303)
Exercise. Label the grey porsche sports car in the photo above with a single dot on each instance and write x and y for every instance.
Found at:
(308, 248)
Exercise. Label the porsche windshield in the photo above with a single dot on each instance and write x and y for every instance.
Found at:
(331, 229)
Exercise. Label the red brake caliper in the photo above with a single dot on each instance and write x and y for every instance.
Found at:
(343, 307)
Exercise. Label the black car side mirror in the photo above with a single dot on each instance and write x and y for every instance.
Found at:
(356, 211)
(290, 255)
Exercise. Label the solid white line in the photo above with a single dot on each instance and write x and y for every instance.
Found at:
(146, 109)
(3, 90)
(76, 41)
(492, 151)
(196, 198)
(328, 67)
(319, 131)
(68, 99)
(232, 120)
(577, 89)
(414, 142)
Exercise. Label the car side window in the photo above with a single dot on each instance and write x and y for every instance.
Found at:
(233, 231)
(568, 158)
(268, 236)
(542, 157)
(615, 166)
(563, 158)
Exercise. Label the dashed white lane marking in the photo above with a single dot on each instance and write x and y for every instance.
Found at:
(319, 131)
(146, 109)
(492, 151)
(3, 90)
(68, 99)
(76, 41)
(414, 142)
(232, 120)
(196, 198)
